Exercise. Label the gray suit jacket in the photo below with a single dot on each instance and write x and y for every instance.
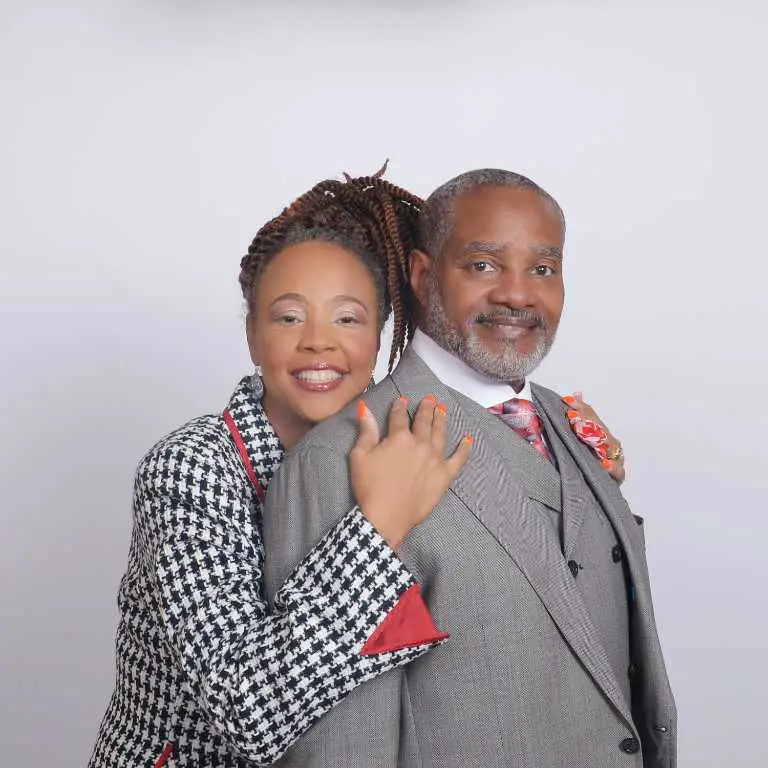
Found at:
(524, 679)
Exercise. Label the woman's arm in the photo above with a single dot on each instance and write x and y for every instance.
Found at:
(262, 678)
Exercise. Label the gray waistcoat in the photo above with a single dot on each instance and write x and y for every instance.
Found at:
(595, 557)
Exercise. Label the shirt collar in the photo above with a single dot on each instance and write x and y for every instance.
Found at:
(457, 375)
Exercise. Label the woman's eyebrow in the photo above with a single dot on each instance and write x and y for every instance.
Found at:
(341, 297)
(288, 296)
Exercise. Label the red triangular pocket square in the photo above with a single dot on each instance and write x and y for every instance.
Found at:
(408, 624)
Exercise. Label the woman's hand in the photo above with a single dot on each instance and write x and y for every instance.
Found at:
(399, 480)
(590, 429)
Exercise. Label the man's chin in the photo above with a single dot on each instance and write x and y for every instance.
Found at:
(505, 362)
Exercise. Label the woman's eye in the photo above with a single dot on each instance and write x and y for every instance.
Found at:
(287, 319)
(349, 320)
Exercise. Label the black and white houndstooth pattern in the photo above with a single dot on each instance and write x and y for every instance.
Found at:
(200, 660)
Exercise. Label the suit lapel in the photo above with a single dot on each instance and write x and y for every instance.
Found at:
(607, 493)
(531, 471)
(496, 487)
(259, 442)
(604, 487)
(574, 502)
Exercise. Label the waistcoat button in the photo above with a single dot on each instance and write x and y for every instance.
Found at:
(630, 746)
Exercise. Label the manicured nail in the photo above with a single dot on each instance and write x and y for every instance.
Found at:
(431, 398)
(572, 414)
(469, 439)
(361, 409)
(607, 464)
(403, 399)
(569, 399)
(441, 408)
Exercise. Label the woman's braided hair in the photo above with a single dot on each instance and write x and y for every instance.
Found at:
(368, 216)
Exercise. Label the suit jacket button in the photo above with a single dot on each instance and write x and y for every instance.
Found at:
(617, 553)
(574, 566)
(630, 746)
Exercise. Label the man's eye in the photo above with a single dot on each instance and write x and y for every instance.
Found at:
(544, 270)
(481, 266)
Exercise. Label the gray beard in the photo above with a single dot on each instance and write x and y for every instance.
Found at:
(508, 365)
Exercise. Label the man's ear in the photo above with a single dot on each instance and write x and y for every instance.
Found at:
(252, 337)
(421, 267)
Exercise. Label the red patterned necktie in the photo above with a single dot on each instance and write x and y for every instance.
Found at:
(522, 417)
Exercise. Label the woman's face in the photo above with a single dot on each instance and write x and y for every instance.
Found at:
(315, 333)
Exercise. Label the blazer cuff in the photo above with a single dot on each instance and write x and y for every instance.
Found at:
(405, 622)
(408, 625)
(377, 604)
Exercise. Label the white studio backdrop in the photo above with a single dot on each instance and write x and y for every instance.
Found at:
(143, 143)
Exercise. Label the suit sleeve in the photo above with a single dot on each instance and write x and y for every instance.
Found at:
(264, 677)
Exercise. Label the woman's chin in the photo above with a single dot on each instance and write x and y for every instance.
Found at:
(318, 406)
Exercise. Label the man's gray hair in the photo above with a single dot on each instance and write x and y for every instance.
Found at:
(436, 219)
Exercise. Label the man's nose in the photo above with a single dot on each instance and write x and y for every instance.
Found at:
(514, 289)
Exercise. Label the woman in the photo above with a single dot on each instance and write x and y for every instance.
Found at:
(207, 673)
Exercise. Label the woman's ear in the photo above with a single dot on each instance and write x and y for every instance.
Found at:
(252, 336)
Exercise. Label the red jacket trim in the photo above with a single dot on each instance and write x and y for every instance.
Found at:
(408, 624)
(243, 451)
(169, 752)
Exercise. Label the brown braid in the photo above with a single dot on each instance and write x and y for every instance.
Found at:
(367, 215)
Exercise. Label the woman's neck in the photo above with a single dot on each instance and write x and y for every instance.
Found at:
(289, 427)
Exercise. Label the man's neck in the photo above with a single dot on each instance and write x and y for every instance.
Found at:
(455, 373)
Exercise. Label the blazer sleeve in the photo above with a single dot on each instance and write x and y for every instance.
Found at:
(264, 677)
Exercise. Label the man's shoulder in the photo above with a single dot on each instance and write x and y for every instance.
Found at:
(544, 393)
(339, 432)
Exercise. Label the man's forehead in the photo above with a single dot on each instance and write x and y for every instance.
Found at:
(498, 215)
(500, 200)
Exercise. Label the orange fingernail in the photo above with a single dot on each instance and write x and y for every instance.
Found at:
(469, 439)
(403, 399)
(431, 398)
(440, 408)
(360, 409)
(607, 464)
(572, 414)
(569, 399)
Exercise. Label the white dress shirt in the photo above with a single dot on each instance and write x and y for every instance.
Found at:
(457, 375)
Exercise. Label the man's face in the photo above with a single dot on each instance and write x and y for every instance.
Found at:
(494, 297)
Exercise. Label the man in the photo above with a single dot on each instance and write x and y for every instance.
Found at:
(532, 562)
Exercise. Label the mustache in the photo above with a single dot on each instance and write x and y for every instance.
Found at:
(510, 313)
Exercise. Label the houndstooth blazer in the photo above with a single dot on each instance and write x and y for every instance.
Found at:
(207, 674)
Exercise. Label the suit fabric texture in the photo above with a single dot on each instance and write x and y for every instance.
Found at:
(537, 571)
